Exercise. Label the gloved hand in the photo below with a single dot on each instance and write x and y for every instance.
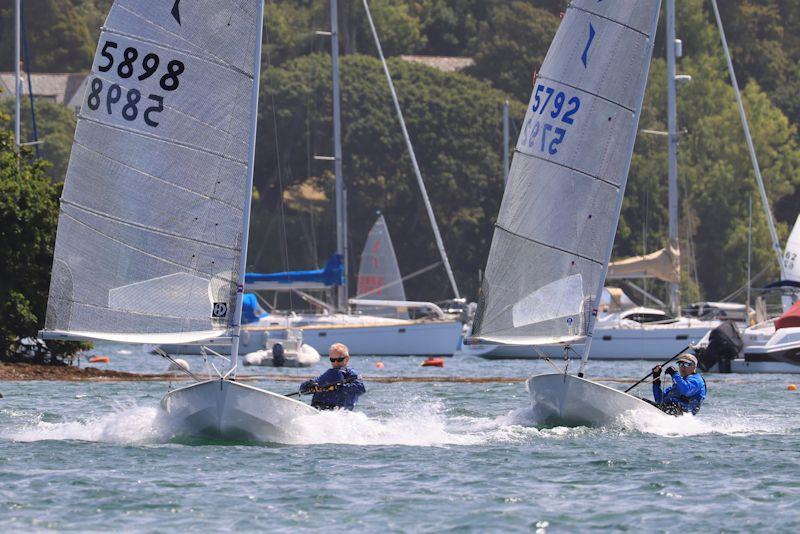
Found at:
(670, 371)
(309, 386)
(657, 372)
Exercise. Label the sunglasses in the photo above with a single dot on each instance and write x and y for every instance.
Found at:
(338, 360)
(685, 364)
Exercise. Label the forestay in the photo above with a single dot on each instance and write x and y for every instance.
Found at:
(559, 213)
(149, 233)
(378, 274)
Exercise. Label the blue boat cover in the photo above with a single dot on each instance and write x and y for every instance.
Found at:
(251, 309)
(331, 275)
(782, 283)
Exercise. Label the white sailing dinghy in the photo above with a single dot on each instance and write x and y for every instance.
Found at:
(553, 237)
(153, 227)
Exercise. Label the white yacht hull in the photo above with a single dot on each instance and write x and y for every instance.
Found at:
(388, 338)
(656, 343)
(231, 410)
(769, 351)
(562, 399)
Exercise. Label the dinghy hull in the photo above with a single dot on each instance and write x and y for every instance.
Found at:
(224, 409)
(566, 400)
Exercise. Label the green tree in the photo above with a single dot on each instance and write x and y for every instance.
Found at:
(55, 125)
(59, 38)
(512, 44)
(455, 125)
(28, 218)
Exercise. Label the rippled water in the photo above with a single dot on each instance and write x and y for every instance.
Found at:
(416, 456)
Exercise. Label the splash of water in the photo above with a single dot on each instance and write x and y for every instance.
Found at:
(711, 423)
(124, 426)
(414, 424)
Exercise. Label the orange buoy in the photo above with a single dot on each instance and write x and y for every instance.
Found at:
(792, 387)
(99, 359)
(433, 362)
(379, 365)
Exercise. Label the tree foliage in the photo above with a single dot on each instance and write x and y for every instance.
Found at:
(28, 218)
(55, 125)
(454, 122)
(58, 36)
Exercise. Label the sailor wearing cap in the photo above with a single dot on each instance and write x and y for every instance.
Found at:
(688, 389)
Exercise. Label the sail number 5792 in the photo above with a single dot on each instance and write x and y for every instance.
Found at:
(551, 114)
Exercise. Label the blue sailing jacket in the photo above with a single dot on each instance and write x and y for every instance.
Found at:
(688, 393)
(344, 396)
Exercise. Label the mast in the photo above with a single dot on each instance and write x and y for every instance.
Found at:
(672, 132)
(505, 142)
(17, 84)
(237, 312)
(592, 319)
(341, 209)
(764, 200)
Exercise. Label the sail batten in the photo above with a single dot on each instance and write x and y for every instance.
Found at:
(560, 209)
(547, 245)
(149, 240)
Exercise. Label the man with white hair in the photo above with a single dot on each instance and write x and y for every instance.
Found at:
(688, 389)
(338, 387)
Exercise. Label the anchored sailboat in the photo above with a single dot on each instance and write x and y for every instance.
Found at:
(552, 241)
(152, 233)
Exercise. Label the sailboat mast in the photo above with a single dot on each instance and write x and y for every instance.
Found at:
(505, 142)
(672, 131)
(592, 320)
(341, 209)
(17, 84)
(251, 156)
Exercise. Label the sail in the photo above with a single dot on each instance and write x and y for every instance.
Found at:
(791, 256)
(378, 274)
(150, 228)
(553, 236)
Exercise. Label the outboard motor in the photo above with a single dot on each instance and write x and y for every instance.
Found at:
(724, 344)
(278, 357)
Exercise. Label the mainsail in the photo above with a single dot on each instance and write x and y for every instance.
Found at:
(553, 237)
(791, 256)
(378, 274)
(150, 230)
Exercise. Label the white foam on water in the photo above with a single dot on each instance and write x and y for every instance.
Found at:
(420, 424)
(124, 426)
(704, 423)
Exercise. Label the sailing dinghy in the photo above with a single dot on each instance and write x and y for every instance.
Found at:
(153, 226)
(553, 237)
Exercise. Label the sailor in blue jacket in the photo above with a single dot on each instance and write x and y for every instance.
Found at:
(688, 389)
(339, 386)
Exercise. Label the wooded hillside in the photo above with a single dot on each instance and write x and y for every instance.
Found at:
(455, 123)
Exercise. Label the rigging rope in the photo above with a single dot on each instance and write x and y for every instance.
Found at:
(284, 243)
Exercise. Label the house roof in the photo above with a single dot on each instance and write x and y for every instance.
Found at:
(61, 87)
(442, 63)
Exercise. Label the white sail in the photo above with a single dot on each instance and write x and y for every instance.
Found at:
(378, 273)
(150, 229)
(791, 256)
(555, 229)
